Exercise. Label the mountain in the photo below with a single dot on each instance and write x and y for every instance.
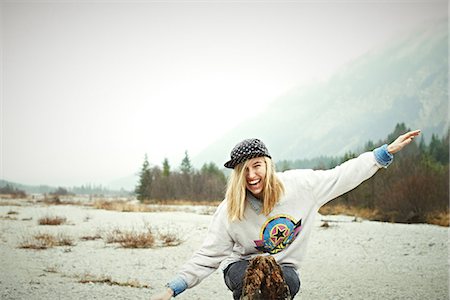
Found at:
(30, 189)
(405, 81)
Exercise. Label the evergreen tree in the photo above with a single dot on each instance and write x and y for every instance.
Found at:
(186, 167)
(166, 168)
(439, 148)
(145, 180)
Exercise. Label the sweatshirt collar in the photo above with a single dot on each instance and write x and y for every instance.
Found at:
(255, 203)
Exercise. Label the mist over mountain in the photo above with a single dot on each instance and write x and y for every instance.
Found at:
(405, 81)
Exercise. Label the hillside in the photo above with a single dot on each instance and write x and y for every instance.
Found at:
(405, 81)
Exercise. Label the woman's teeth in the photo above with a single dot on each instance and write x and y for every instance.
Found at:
(254, 182)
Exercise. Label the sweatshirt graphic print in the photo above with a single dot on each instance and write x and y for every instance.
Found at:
(277, 233)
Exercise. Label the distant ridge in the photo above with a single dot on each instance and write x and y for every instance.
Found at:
(406, 81)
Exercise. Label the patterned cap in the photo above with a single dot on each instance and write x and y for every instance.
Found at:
(246, 149)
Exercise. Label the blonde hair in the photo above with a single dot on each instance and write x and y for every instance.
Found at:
(236, 190)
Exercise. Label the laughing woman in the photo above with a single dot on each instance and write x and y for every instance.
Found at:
(271, 214)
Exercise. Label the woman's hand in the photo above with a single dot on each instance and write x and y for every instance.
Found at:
(166, 295)
(402, 141)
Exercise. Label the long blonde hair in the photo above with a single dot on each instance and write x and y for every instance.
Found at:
(236, 190)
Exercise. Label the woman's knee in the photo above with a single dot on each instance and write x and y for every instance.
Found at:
(234, 275)
(292, 280)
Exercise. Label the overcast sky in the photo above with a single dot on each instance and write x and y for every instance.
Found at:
(89, 87)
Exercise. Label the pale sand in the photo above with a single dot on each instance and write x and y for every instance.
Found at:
(348, 260)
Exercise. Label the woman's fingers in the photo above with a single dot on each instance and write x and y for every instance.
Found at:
(402, 141)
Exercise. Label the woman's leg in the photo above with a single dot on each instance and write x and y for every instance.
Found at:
(291, 278)
(234, 277)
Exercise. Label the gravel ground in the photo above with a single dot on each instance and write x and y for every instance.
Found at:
(347, 260)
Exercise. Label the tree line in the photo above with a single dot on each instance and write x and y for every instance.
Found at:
(184, 183)
(15, 192)
(415, 185)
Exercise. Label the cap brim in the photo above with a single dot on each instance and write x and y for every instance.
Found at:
(230, 164)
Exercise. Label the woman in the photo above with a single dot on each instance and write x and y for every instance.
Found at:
(268, 213)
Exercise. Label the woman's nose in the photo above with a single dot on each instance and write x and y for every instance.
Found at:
(250, 173)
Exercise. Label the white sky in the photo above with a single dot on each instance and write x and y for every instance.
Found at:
(87, 88)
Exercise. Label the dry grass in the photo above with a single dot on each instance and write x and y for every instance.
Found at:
(13, 196)
(131, 238)
(104, 279)
(183, 202)
(338, 209)
(169, 239)
(439, 218)
(120, 205)
(152, 206)
(4, 202)
(41, 241)
(51, 200)
(52, 220)
(142, 239)
(94, 237)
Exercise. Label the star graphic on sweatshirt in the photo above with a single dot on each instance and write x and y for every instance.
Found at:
(279, 234)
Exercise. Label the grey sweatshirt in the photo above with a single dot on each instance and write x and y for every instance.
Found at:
(284, 233)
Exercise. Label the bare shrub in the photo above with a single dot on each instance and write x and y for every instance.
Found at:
(51, 200)
(52, 220)
(42, 241)
(113, 236)
(414, 197)
(59, 240)
(169, 239)
(94, 237)
(31, 243)
(131, 238)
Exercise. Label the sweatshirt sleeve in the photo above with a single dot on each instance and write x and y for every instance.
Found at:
(217, 246)
(326, 185)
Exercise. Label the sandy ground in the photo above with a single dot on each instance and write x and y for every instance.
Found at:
(347, 260)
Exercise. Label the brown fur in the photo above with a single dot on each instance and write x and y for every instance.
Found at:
(264, 280)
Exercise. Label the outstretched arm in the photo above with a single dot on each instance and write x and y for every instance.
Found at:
(402, 141)
(329, 184)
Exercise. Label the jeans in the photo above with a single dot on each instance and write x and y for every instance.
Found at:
(235, 272)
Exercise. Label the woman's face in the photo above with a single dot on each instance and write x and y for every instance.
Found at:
(255, 175)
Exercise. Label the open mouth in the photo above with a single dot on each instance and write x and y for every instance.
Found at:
(254, 182)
